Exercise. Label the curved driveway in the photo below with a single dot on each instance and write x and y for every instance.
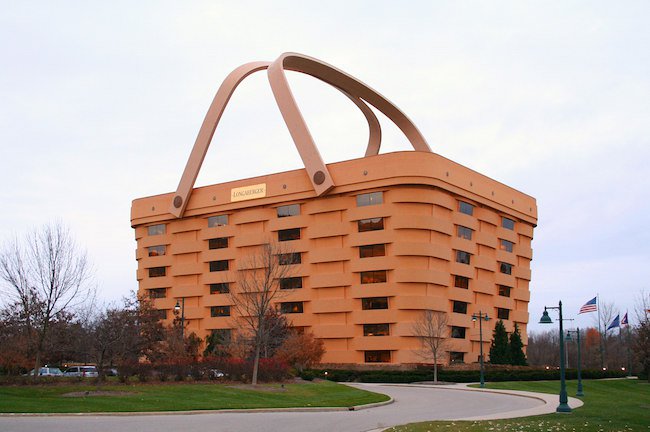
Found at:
(412, 403)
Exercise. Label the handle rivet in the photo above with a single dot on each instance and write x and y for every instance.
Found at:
(319, 177)
(178, 201)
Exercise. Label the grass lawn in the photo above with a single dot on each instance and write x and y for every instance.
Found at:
(610, 405)
(179, 397)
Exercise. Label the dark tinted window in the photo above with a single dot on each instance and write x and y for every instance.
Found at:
(504, 291)
(464, 232)
(459, 307)
(376, 329)
(461, 282)
(374, 303)
(503, 314)
(466, 208)
(507, 223)
(463, 257)
(458, 332)
(157, 272)
(216, 266)
(220, 311)
(291, 283)
(505, 268)
(289, 234)
(372, 250)
(382, 356)
(289, 210)
(218, 243)
(506, 245)
(158, 293)
(289, 258)
(373, 224)
(376, 276)
(456, 357)
(372, 198)
(219, 288)
(291, 307)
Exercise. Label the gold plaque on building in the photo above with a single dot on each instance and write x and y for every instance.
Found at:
(248, 192)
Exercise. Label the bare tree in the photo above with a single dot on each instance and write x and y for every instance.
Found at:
(431, 329)
(642, 333)
(605, 316)
(257, 290)
(45, 275)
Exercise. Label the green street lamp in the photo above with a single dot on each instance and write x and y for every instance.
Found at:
(481, 317)
(568, 337)
(563, 407)
(180, 307)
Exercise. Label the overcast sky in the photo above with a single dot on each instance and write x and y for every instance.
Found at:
(100, 103)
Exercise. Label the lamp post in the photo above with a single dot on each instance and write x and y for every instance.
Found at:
(564, 400)
(568, 337)
(180, 306)
(481, 317)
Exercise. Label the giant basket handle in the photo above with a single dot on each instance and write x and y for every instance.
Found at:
(318, 173)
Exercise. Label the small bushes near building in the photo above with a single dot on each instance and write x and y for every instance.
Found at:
(453, 376)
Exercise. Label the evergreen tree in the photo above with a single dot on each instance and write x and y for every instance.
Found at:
(517, 356)
(499, 349)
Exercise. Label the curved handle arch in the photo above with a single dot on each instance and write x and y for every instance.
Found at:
(213, 116)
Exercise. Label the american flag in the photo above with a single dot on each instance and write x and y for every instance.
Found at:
(590, 306)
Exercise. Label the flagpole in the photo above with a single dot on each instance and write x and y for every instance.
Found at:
(600, 333)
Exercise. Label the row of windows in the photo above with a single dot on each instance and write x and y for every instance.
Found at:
(383, 356)
(285, 308)
(466, 233)
(460, 307)
(463, 282)
(468, 209)
(463, 257)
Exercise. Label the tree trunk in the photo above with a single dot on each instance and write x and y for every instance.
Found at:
(435, 368)
(256, 364)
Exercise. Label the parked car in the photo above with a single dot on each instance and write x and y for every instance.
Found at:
(47, 371)
(110, 372)
(81, 371)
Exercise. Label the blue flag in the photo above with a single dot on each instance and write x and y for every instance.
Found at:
(615, 323)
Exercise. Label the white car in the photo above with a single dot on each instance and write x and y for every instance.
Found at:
(81, 371)
(47, 371)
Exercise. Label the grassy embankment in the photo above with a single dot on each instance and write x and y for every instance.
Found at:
(178, 397)
(610, 405)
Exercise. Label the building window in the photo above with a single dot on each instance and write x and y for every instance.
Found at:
(291, 283)
(505, 268)
(161, 314)
(220, 311)
(466, 208)
(372, 250)
(157, 293)
(218, 243)
(461, 282)
(291, 307)
(462, 257)
(290, 258)
(370, 303)
(222, 336)
(504, 291)
(376, 329)
(368, 199)
(220, 288)
(289, 210)
(215, 221)
(382, 356)
(376, 276)
(458, 332)
(156, 250)
(464, 232)
(289, 234)
(459, 307)
(156, 229)
(374, 224)
(506, 245)
(216, 266)
(456, 357)
(507, 223)
(503, 314)
(157, 272)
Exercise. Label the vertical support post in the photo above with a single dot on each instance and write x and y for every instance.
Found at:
(579, 392)
(564, 399)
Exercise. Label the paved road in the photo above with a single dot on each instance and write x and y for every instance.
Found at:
(412, 403)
